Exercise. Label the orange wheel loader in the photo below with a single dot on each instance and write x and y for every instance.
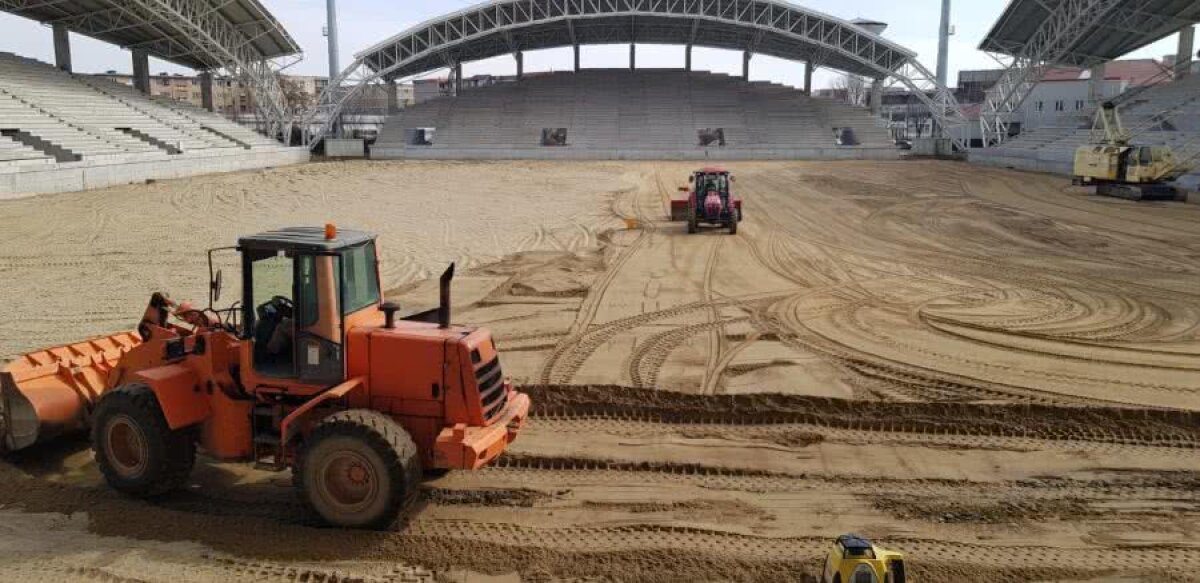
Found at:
(310, 371)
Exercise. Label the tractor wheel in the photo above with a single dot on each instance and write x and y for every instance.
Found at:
(358, 469)
(734, 218)
(136, 450)
(693, 220)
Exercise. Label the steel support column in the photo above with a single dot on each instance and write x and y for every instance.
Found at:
(746, 56)
(331, 32)
(141, 70)
(687, 58)
(943, 62)
(62, 47)
(632, 57)
(520, 58)
(206, 90)
(1096, 84)
(808, 76)
(576, 58)
(1187, 39)
(458, 79)
(876, 98)
(393, 96)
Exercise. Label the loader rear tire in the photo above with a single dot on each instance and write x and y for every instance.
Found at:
(136, 450)
(693, 220)
(358, 469)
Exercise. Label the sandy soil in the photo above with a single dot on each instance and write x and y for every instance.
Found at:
(987, 370)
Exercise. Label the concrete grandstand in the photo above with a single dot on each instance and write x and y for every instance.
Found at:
(64, 132)
(648, 114)
(627, 114)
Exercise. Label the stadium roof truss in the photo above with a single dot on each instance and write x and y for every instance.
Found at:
(238, 36)
(1033, 35)
(769, 27)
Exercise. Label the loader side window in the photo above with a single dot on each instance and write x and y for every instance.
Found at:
(361, 278)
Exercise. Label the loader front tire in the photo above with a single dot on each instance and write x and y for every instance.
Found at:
(358, 469)
(136, 450)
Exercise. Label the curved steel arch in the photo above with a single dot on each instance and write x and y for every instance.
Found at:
(500, 27)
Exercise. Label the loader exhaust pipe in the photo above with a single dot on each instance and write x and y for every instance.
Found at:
(444, 292)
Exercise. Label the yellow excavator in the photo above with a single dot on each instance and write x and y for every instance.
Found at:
(1121, 169)
(854, 559)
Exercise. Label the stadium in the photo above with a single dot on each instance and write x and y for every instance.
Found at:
(645, 321)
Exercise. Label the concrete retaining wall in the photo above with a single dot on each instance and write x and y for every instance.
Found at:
(345, 148)
(419, 153)
(76, 176)
(1031, 164)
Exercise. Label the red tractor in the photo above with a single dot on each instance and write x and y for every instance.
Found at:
(710, 201)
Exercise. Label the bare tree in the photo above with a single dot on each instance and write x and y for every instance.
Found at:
(852, 88)
(298, 100)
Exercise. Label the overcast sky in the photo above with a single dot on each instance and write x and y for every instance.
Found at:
(912, 23)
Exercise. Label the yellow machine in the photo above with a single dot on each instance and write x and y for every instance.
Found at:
(1117, 168)
(853, 559)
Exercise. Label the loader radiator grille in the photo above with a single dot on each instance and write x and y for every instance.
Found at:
(491, 389)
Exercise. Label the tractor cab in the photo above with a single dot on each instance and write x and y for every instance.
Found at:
(710, 201)
(302, 288)
(712, 180)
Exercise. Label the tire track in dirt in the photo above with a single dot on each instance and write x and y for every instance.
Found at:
(803, 434)
(566, 358)
(757, 548)
(648, 358)
(716, 329)
(1131, 426)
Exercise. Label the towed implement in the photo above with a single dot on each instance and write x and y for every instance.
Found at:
(310, 371)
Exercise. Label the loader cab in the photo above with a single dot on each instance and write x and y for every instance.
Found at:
(300, 285)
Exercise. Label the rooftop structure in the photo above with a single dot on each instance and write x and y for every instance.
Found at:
(1115, 29)
(1034, 35)
(131, 24)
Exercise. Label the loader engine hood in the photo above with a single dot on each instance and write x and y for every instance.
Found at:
(456, 370)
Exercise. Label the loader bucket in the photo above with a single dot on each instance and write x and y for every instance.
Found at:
(51, 392)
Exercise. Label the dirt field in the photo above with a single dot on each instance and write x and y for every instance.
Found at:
(987, 370)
